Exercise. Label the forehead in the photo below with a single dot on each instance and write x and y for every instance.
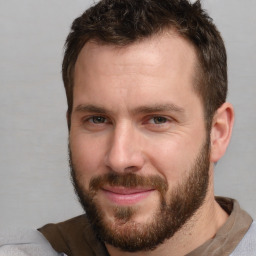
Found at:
(152, 65)
(160, 49)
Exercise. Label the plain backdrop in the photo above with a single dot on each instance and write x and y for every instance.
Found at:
(35, 186)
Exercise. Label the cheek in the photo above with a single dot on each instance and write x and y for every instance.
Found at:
(87, 156)
(173, 158)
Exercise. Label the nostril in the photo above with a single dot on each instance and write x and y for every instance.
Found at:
(130, 169)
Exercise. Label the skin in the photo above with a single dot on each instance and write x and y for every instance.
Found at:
(119, 93)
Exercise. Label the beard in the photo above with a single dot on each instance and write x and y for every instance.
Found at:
(170, 216)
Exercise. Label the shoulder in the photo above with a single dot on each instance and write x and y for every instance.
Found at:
(64, 234)
(73, 236)
(72, 225)
(24, 242)
(247, 245)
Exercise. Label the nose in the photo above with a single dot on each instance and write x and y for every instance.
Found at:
(125, 151)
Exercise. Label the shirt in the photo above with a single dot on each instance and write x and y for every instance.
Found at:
(75, 237)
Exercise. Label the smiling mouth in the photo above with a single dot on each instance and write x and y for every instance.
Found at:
(126, 196)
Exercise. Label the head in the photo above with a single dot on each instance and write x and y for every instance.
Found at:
(144, 81)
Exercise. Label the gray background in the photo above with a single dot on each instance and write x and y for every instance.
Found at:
(34, 186)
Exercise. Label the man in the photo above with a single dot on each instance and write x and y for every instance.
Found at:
(146, 84)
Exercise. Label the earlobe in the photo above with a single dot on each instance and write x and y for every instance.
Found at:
(221, 131)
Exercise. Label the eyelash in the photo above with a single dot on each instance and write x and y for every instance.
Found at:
(158, 119)
(91, 119)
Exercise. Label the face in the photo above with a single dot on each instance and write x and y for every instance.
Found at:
(139, 150)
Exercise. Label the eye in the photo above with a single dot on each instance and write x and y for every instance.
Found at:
(97, 119)
(94, 123)
(158, 120)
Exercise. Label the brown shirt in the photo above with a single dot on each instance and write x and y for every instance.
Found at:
(75, 237)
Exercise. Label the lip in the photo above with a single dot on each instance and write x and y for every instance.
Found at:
(126, 196)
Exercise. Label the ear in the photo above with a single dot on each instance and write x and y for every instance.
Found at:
(221, 131)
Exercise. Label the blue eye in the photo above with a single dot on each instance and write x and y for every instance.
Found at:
(98, 119)
(159, 120)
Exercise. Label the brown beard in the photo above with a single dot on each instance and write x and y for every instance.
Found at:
(185, 199)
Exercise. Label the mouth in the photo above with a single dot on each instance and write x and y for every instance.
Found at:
(126, 196)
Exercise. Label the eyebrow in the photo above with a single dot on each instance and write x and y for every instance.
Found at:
(91, 109)
(147, 109)
(159, 108)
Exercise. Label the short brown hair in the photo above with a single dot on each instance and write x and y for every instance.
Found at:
(122, 22)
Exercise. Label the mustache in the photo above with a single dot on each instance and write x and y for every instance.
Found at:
(129, 180)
